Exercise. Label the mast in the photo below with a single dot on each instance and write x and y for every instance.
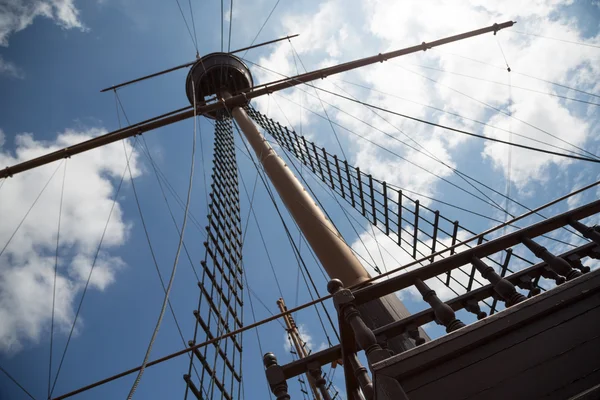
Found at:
(220, 85)
(335, 255)
(299, 344)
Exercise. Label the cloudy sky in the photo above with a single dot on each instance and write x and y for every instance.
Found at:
(55, 56)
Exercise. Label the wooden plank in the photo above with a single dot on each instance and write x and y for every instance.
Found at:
(427, 356)
(526, 363)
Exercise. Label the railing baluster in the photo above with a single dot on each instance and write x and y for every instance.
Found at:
(472, 306)
(385, 209)
(436, 221)
(587, 231)
(399, 217)
(310, 159)
(472, 275)
(507, 256)
(343, 299)
(328, 168)
(350, 188)
(344, 303)
(414, 334)
(363, 378)
(526, 282)
(443, 312)
(275, 377)
(503, 287)
(372, 193)
(339, 175)
(314, 369)
(360, 192)
(557, 264)
(416, 226)
(550, 274)
(575, 262)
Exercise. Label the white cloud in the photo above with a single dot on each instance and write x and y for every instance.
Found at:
(27, 265)
(340, 31)
(306, 337)
(9, 69)
(16, 15)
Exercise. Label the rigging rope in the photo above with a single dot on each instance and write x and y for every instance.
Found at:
(331, 193)
(285, 139)
(320, 300)
(597, 159)
(509, 157)
(188, 27)
(60, 208)
(262, 27)
(87, 283)
(425, 151)
(255, 331)
(461, 174)
(175, 262)
(337, 139)
(300, 173)
(230, 25)
(30, 208)
(250, 291)
(594, 160)
(9, 376)
(520, 73)
(429, 197)
(504, 84)
(461, 116)
(297, 254)
(223, 222)
(557, 39)
(118, 104)
(222, 22)
(193, 24)
(146, 152)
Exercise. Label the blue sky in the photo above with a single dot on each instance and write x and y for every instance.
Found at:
(54, 60)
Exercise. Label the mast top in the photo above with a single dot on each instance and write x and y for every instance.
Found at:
(216, 73)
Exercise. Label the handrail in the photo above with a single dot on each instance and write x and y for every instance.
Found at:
(334, 353)
(457, 260)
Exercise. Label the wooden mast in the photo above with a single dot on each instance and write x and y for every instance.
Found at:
(299, 344)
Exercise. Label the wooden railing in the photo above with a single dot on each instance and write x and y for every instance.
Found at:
(511, 289)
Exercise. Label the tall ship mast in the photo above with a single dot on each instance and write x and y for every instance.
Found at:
(311, 274)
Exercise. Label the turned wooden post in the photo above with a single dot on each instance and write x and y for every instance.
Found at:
(363, 378)
(414, 334)
(575, 261)
(472, 306)
(525, 282)
(343, 300)
(444, 314)
(503, 287)
(387, 388)
(557, 264)
(314, 368)
(275, 377)
(550, 274)
(587, 231)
